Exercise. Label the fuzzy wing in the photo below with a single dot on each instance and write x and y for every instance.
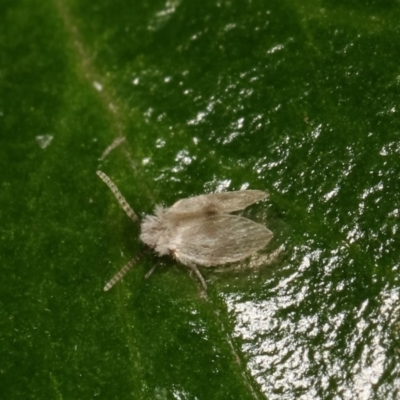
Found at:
(224, 202)
(218, 239)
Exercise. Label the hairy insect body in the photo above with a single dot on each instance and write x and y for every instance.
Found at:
(200, 230)
(156, 231)
(161, 231)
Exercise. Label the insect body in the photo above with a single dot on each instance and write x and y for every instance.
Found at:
(199, 230)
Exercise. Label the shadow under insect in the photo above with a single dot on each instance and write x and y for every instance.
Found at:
(198, 231)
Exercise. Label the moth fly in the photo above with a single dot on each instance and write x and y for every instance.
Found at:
(198, 231)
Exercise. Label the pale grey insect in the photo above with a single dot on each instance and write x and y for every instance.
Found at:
(199, 230)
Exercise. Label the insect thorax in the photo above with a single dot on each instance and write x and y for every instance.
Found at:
(155, 231)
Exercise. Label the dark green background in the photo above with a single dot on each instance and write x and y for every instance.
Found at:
(297, 98)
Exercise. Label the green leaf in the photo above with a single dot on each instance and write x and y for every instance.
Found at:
(173, 99)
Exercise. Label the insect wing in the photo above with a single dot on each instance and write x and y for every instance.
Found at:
(218, 239)
(223, 202)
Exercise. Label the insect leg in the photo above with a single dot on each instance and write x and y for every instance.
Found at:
(150, 272)
(198, 274)
(121, 200)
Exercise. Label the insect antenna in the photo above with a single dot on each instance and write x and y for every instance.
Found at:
(123, 271)
(121, 199)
